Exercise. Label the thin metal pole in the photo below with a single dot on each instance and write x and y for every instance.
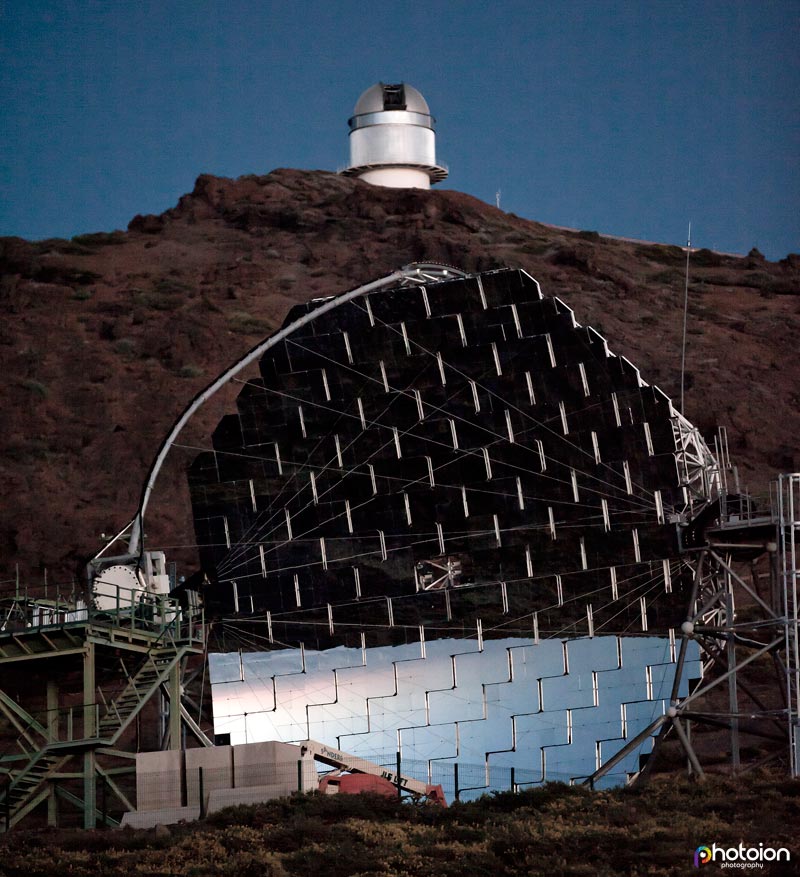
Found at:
(175, 726)
(685, 314)
(89, 730)
(733, 698)
(629, 747)
(788, 519)
(202, 792)
(399, 781)
(687, 748)
(699, 692)
(698, 577)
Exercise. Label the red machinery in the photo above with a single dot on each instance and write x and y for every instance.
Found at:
(354, 775)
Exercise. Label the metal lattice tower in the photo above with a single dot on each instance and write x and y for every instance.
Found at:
(789, 546)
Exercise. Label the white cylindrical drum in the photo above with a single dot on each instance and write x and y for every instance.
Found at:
(397, 178)
(392, 143)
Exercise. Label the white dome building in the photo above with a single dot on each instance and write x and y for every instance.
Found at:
(392, 139)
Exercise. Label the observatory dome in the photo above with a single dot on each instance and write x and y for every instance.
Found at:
(380, 97)
(392, 139)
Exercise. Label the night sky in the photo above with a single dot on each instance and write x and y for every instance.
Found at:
(628, 118)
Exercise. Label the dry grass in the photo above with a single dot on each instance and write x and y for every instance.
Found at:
(554, 829)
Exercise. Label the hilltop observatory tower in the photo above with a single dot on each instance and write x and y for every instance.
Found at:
(392, 139)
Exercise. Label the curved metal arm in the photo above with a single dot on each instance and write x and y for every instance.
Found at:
(211, 389)
(414, 273)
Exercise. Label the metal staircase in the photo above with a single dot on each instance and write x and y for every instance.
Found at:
(153, 671)
(28, 787)
(66, 736)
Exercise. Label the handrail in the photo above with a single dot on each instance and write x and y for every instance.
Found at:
(136, 609)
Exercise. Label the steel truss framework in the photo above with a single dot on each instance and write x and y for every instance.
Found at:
(698, 469)
(764, 631)
(76, 681)
(789, 534)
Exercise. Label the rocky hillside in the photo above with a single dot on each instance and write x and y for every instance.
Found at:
(105, 338)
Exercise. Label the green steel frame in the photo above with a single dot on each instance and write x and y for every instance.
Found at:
(74, 683)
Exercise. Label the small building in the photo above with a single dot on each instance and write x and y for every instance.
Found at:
(393, 139)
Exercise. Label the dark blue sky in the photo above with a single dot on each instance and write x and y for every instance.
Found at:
(628, 118)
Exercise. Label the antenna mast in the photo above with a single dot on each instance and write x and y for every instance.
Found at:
(685, 314)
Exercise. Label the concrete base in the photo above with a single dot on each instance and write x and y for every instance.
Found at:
(166, 782)
(217, 765)
(159, 780)
(166, 816)
(273, 763)
(221, 798)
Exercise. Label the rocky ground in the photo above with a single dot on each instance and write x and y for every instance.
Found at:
(105, 338)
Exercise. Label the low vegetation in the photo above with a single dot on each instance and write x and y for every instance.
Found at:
(554, 830)
(36, 388)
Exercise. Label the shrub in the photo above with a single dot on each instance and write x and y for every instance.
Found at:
(535, 248)
(171, 286)
(669, 277)
(59, 245)
(62, 274)
(36, 388)
(158, 301)
(190, 371)
(125, 346)
(706, 258)
(669, 255)
(31, 449)
(209, 305)
(246, 324)
(99, 238)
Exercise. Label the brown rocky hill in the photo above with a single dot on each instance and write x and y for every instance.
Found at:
(105, 338)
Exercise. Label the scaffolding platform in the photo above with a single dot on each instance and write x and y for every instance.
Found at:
(76, 682)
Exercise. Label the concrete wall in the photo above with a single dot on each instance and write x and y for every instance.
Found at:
(272, 763)
(217, 765)
(168, 783)
(159, 780)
